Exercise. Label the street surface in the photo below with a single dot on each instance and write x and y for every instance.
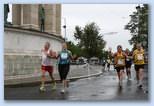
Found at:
(101, 87)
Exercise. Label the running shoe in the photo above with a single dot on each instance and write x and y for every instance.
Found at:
(140, 84)
(63, 91)
(42, 88)
(130, 79)
(54, 86)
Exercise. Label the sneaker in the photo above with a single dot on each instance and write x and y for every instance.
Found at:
(140, 84)
(42, 88)
(130, 79)
(53, 86)
(63, 91)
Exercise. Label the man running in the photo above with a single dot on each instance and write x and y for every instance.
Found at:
(119, 62)
(64, 58)
(47, 65)
(138, 56)
(128, 63)
(103, 65)
(108, 64)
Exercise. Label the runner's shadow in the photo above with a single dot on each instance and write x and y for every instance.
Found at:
(119, 90)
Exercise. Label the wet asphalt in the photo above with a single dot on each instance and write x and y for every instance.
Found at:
(103, 87)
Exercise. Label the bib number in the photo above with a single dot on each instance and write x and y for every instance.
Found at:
(139, 57)
(64, 55)
(128, 59)
(120, 62)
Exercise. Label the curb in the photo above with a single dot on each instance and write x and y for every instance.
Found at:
(57, 80)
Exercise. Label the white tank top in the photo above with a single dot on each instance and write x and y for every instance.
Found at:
(46, 61)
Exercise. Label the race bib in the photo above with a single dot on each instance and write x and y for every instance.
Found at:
(120, 62)
(139, 56)
(64, 55)
(128, 59)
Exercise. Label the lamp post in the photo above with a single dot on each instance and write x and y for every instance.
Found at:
(64, 26)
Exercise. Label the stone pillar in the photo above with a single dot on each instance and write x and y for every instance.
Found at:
(58, 19)
(29, 16)
(16, 14)
(50, 18)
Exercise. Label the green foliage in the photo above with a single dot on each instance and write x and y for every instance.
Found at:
(75, 49)
(90, 40)
(138, 26)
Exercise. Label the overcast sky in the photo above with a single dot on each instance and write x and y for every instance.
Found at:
(109, 17)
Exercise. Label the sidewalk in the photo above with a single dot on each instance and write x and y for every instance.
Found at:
(76, 72)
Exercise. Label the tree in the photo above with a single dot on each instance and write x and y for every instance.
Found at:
(90, 40)
(75, 49)
(138, 26)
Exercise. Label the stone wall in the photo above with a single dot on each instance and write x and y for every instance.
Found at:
(22, 50)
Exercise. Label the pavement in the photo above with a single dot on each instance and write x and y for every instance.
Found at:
(103, 87)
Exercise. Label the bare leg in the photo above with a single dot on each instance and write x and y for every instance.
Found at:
(42, 81)
(128, 73)
(118, 73)
(137, 76)
(53, 80)
(140, 75)
(43, 78)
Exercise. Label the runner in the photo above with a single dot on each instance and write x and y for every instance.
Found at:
(103, 65)
(138, 56)
(108, 64)
(119, 62)
(47, 65)
(128, 63)
(64, 58)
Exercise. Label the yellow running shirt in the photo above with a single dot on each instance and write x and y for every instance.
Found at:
(119, 59)
(138, 57)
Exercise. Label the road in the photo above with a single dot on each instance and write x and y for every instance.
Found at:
(103, 87)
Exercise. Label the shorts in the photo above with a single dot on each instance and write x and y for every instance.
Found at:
(128, 65)
(108, 65)
(119, 68)
(137, 67)
(47, 68)
(63, 70)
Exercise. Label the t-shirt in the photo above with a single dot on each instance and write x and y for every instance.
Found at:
(119, 59)
(64, 57)
(128, 59)
(46, 61)
(138, 57)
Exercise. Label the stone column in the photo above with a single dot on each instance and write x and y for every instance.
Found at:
(29, 16)
(58, 19)
(16, 14)
(50, 18)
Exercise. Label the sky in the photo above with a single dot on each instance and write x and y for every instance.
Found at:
(109, 17)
